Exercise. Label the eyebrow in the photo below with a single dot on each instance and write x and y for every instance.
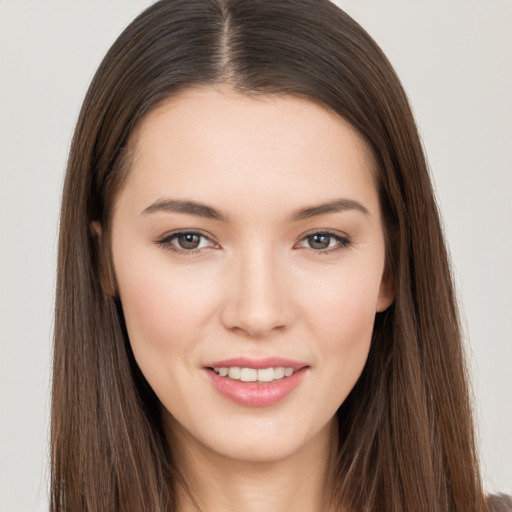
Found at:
(338, 205)
(187, 207)
(203, 210)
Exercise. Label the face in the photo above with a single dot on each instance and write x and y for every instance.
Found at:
(248, 251)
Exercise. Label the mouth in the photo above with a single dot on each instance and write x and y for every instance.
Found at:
(254, 374)
(254, 383)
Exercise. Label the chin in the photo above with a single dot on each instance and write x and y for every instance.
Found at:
(259, 449)
(252, 440)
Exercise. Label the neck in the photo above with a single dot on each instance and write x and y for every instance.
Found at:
(215, 483)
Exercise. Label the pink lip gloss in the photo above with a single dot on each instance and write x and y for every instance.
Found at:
(256, 394)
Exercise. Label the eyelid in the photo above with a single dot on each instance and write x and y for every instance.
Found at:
(343, 239)
(165, 241)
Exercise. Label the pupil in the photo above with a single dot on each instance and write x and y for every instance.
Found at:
(319, 241)
(188, 241)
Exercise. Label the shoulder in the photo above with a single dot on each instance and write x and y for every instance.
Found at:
(499, 503)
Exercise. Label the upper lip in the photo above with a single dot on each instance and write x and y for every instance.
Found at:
(257, 363)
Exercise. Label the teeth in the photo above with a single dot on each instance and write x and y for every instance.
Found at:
(248, 374)
(234, 373)
(253, 375)
(279, 372)
(266, 375)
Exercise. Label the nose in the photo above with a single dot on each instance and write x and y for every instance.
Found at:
(258, 301)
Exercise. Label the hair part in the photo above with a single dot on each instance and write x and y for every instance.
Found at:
(400, 448)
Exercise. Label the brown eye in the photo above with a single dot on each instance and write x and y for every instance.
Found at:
(319, 241)
(188, 241)
(324, 242)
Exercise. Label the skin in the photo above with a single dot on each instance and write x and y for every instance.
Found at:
(256, 285)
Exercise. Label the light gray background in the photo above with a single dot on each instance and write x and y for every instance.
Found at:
(455, 60)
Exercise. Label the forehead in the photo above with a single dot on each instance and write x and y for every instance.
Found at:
(210, 141)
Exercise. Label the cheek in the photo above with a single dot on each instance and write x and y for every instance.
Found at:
(341, 311)
(165, 313)
(346, 334)
(341, 315)
(343, 307)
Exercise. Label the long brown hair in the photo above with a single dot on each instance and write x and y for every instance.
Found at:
(406, 439)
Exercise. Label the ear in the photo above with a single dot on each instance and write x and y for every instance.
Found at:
(386, 292)
(96, 230)
(104, 266)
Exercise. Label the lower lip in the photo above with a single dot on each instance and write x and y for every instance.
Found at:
(256, 394)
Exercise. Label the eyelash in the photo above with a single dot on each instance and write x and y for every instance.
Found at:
(166, 241)
(342, 241)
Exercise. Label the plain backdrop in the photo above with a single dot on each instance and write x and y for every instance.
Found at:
(455, 60)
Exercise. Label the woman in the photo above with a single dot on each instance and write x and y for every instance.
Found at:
(254, 304)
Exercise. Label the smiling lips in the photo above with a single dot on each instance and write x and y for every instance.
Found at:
(256, 383)
(254, 374)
